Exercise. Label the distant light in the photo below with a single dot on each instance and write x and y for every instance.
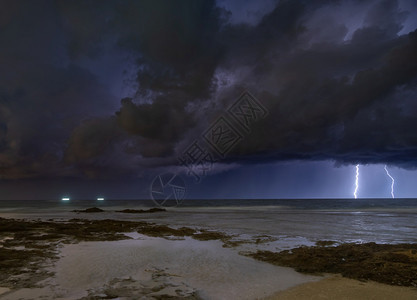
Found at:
(100, 199)
(65, 199)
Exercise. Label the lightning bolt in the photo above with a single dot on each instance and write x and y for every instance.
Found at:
(355, 193)
(392, 181)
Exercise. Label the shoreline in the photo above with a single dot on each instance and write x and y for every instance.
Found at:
(30, 252)
(342, 288)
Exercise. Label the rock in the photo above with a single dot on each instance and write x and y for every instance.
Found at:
(90, 210)
(141, 211)
(390, 264)
(325, 243)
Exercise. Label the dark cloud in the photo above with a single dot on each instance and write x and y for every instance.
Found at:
(43, 96)
(177, 43)
(91, 139)
(144, 120)
(316, 92)
(337, 87)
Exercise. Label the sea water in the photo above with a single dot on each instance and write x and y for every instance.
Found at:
(292, 222)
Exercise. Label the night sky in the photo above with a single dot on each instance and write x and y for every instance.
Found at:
(99, 97)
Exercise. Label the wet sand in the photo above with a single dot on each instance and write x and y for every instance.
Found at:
(96, 259)
(338, 287)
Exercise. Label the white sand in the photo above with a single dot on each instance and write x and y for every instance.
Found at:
(131, 269)
(337, 287)
(3, 290)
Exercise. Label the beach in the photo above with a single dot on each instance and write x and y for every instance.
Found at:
(84, 259)
(203, 253)
(337, 287)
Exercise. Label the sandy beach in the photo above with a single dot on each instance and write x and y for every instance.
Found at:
(113, 259)
(153, 267)
(337, 287)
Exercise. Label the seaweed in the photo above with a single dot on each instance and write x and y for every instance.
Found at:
(384, 263)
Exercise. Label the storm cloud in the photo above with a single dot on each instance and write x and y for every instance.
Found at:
(338, 79)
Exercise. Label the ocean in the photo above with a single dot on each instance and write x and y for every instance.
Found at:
(289, 223)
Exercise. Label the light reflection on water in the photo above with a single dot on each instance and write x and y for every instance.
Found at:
(293, 222)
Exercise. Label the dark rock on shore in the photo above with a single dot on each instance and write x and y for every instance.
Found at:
(141, 211)
(89, 210)
(384, 263)
(325, 243)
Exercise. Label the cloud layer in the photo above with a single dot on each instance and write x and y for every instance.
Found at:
(338, 79)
